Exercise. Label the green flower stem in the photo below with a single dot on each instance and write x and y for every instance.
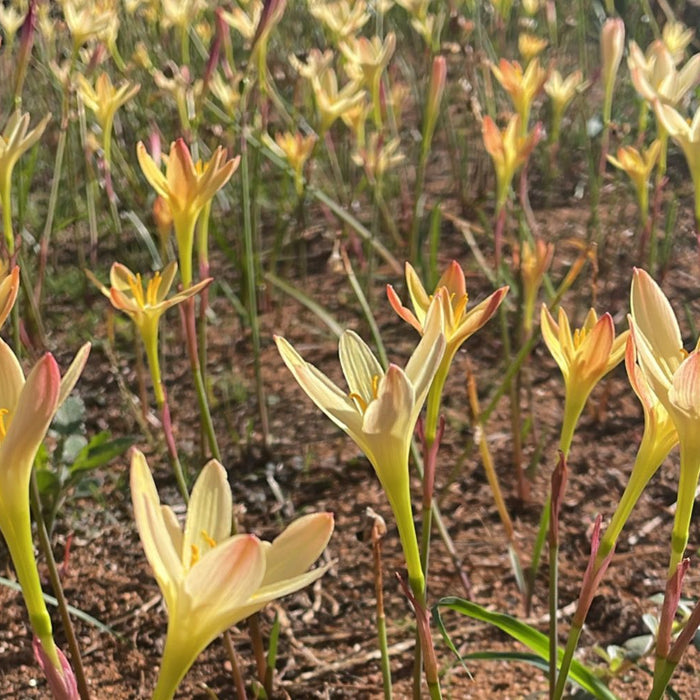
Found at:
(71, 639)
(6, 203)
(687, 483)
(553, 605)
(150, 341)
(184, 235)
(642, 472)
(662, 135)
(188, 307)
(403, 512)
(17, 531)
(662, 675)
(185, 43)
(573, 407)
(571, 644)
(203, 260)
(176, 661)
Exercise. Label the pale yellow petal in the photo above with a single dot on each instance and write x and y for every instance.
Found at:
(209, 510)
(297, 547)
(360, 367)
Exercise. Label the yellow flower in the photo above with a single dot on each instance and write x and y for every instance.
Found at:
(530, 46)
(26, 411)
(10, 21)
(687, 136)
(379, 412)
(331, 104)
(186, 187)
(180, 13)
(639, 167)
(367, 58)
(226, 91)
(655, 76)
(561, 92)
(674, 377)
(14, 141)
(458, 322)
(378, 156)
(612, 44)
(521, 86)
(146, 305)
(509, 152)
(104, 100)
(584, 358)
(296, 149)
(533, 263)
(9, 286)
(676, 36)
(209, 579)
(342, 18)
(88, 20)
(245, 21)
(659, 438)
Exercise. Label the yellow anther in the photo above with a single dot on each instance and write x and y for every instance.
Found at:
(362, 403)
(194, 558)
(208, 539)
(137, 289)
(579, 336)
(3, 432)
(152, 289)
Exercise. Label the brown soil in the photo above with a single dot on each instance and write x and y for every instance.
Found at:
(327, 641)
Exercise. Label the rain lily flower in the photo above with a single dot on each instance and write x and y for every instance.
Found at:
(561, 91)
(367, 59)
(180, 13)
(331, 104)
(379, 412)
(104, 100)
(584, 358)
(639, 166)
(378, 156)
(186, 187)
(342, 18)
(436, 89)
(509, 152)
(145, 306)
(459, 323)
(674, 378)
(676, 36)
(612, 44)
(655, 76)
(89, 20)
(659, 438)
(296, 149)
(209, 579)
(530, 46)
(522, 86)
(533, 263)
(27, 408)
(687, 136)
(10, 21)
(14, 141)
(9, 286)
